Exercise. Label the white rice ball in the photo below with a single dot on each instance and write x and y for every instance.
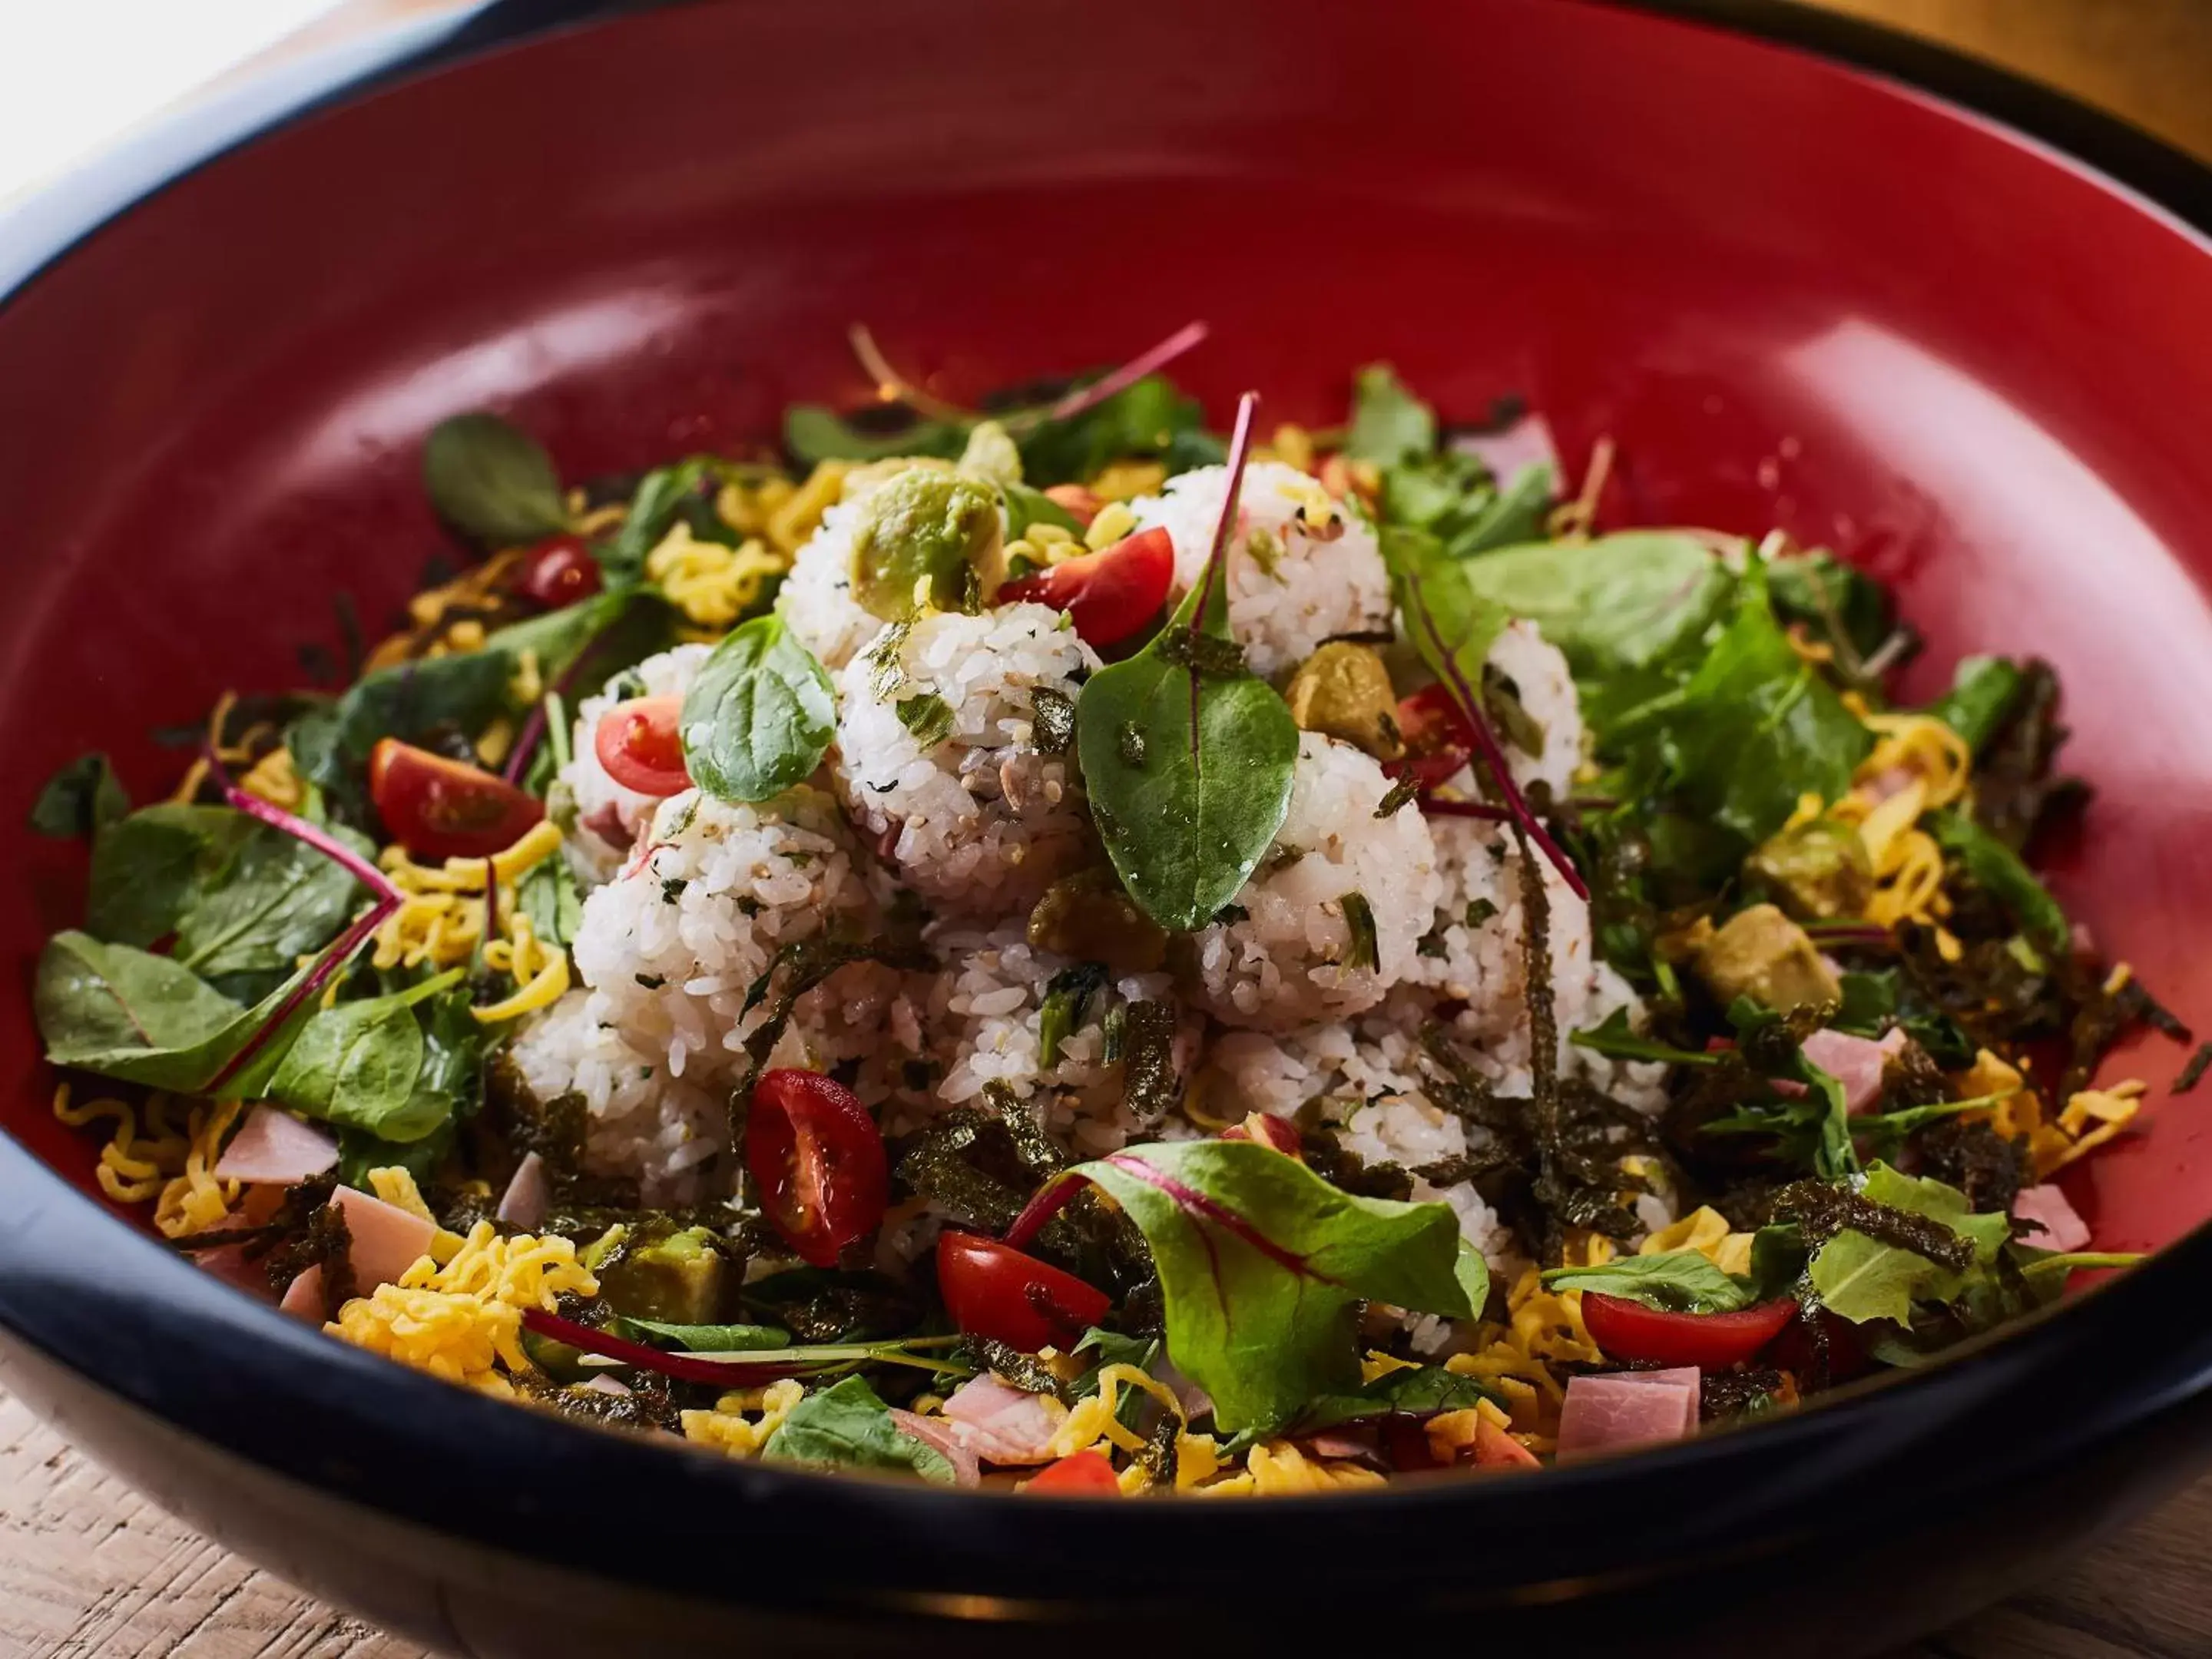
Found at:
(672, 944)
(1288, 590)
(663, 1130)
(980, 820)
(607, 814)
(1546, 688)
(1288, 958)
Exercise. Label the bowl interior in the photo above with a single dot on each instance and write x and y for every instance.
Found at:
(1792, 294)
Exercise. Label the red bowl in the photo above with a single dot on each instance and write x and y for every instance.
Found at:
(1794, 292)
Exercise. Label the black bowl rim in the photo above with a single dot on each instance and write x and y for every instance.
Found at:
(98, 1298)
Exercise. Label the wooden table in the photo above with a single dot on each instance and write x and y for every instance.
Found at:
(89, 1568)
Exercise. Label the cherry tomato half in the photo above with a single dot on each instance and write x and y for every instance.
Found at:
(1714, 1341)
(640, 743)
(817, 1158)
(1111, 595)
(994, 1290)
(1086, 1471)
(1436, 736)
(559, 571)
(443, 808)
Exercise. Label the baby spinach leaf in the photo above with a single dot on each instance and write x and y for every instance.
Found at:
(1676, 1281)
(1413, 1390)
(1149, 416)
(357, 1065)
(81, 800)
(1982, 692)
(1388, 424)
(618, 628)
(1859, 1278)
(684, 492)
(847, 1426)
(1619, 603)
(129, 1014)
(813, 434)
(150, 868)
(709, 1339)
(274, 900)
(330, 744)
(492, 481)
(1999, 872)
(1835, 602)
(1263, 1264)
(1187, 754)
(359, 1153)
(760, 715)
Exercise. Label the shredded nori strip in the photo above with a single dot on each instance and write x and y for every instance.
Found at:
(327, 1242)
(1041, 1155)
(1976, 1159)
(1014, 1368)
(1195, 648)
(1397, 797)
(1326, 1156)
(1360, 918)
(1726, 1395)
(1067, 999)
(1158, 1457)
(1151, 1087)
(1822, 1210)
(1052, 720)
(2193, 1072)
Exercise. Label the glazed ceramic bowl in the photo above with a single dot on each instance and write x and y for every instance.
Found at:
(1795, 291)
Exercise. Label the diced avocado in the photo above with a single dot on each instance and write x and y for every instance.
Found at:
(1087, 917)
(676, 1280)
(1343, 691)
(1761, 954)
(991, 455)
(929, 540)
(1817, 870)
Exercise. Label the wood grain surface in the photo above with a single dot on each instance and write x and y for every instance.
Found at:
(89, 1570)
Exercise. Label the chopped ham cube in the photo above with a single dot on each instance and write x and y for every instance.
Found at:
(1620, 1409)
(1001, 1424)
(2056, 1227)
(529, 1194)
(273, 1147)
(1855, 1061)
(303, 1296)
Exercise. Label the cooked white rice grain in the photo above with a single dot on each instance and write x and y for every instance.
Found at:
(607, 814)
(981, 820)
(1288, 590)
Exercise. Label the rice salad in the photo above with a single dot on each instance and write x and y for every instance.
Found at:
(883, 951)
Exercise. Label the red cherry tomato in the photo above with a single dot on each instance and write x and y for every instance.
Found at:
(817, 1158)
(1711, 1342)
(994, 1290)
(1088, 1471)
(441, 808)
(641, 745)
(1109, 595)
(559, 571)
(1436, 736)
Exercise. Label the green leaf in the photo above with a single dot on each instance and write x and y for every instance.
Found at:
(1836, 602)
(1188, 756)
(1618, 1040)
(358, 1153)
(1026, 507)
(813, 434)
(81, 800)
(1998, 871)
(1621, 603)
(1149, 416)
(1263, 1265)
(547, 895)
(1416, 1391)
(129, 1014)
(683, 492)
(1453, 624)
(760, 715)
(358, 1064)
(620, 627)
(150, 868)
(1388, 423)
(491, 481)
(273, 901)
(1982, 692)
(710, 1339)
(848, 1427)
(330, 744)
(1859, 1279)
(1676, 1281)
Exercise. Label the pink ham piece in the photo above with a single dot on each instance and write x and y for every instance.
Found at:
(936, 1431)
(1001, 1424)
(528, 1195)
(303, 1296)
(229, 1263)
(1620, 1409)
(386, 1240)
(1854, 1061)
(273, 1148)
(2056, 1227)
